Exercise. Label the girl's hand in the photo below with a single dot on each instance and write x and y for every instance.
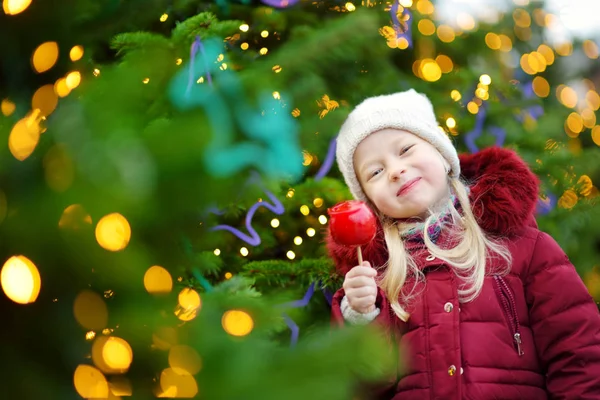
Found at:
(360, 288)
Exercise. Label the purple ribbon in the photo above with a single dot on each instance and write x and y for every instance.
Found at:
(294, 328)
(328, 162)
(302, 303)
(280, 3)
(477, 131)
(398, 26)
(328, 295)
(197, 45)
(545, 206)
(253, 239)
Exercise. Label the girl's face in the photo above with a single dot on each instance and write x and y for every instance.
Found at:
(403, 175)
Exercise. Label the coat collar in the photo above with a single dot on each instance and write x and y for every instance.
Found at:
(503, 196)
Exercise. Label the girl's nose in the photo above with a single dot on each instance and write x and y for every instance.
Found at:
(396, 172)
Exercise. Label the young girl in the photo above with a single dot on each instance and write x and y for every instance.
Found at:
(481, 303)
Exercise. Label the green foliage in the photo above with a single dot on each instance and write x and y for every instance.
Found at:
(128, 150)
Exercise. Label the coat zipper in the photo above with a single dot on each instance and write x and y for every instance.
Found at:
(507, 300)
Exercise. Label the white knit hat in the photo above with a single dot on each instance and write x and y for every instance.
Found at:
(409, 111)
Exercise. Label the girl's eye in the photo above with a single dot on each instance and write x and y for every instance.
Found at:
(405, 149)
(375, 173)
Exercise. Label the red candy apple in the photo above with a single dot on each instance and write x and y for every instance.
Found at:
(352, 223)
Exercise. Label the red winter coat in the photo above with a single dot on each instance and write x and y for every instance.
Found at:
(468, 351)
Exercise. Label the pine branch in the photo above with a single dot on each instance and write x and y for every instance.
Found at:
(336, 42)
(203, 25)
(129, 41)
(301, 272)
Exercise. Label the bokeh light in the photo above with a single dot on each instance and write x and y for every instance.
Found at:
(111, 355)
(7, 107)
(157, 280)
(430, 70)
(304, 210)
(237, 323)
(61, 88)
(590, 49)
(45, 99)
(76, 53)
(445, 63)
(90, 310)
(492, 41)
(505, 43)
(465, 21)
(575, 122)
(75, 217)
(567, 96)
(593, 100)
(117, 354)
(589, 118)
(44, 56)
(290, 254)
(426, 27)
(90, 383)
(547, 53)
(472, 107)
(186, 358)
(425, 7)
(596, 135)
(311, 232)
(73, 79)
(20, 280)
(24, 138)
(188, 304)
(177, 383)
(14, 7)
(113, 232)
(541, 87)
(445, 33)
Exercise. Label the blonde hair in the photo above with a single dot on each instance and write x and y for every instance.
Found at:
(469, 255)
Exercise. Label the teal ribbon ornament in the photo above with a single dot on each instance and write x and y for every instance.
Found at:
(272, 147)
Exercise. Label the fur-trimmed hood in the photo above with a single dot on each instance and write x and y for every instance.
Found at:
(503, 196)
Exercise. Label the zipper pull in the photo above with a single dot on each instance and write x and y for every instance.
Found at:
(518, 342)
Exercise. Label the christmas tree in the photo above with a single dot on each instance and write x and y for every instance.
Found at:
(169, 165)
